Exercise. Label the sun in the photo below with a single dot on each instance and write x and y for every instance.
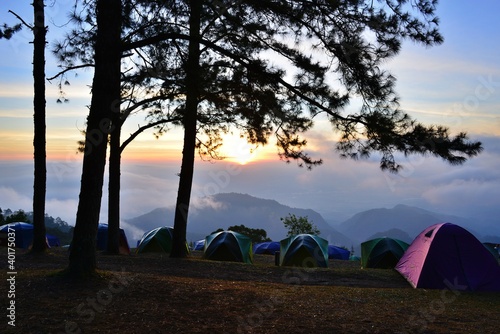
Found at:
(238, 150)
(244, 157)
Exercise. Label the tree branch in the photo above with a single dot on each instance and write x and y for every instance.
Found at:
(246, 63)
(136, 105)
(153, 40)
(20, 19)
(238, 59)
(70, 69)
(145, 127)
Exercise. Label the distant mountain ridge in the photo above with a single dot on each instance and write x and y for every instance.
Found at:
(225, 209)
(394, 233)
(403, 220)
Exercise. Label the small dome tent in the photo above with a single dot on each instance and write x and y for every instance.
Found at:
(446, 255)
(102, 239)
(382, 253)
(304, 250)
(24, 235)
(157, 240)
(266, 247)
(338, 253)
(52, 240)
(199, 245)
(23, 231)
(228, 246)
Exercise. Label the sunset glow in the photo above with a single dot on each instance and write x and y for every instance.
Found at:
(238, 150)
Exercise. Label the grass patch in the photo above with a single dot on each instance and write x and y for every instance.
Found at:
(151, 293)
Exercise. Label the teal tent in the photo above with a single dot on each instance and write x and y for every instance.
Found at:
(304, 250)
(382, 252)
(228, 246)
(158, 240)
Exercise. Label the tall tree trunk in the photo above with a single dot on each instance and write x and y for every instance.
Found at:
(40, 169)
(188, 152)
(114, 187)
(105, 99)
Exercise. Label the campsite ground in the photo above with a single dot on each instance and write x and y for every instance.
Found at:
(155, 294)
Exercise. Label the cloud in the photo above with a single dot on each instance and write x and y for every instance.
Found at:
(132, 232)
(344, 186)
(207, 202)
(147, 187)
(65, 209)
(11, 199)
(469, 198)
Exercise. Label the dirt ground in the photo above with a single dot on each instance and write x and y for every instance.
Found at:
(152, 293)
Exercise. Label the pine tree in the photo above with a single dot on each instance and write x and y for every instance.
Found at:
(237, 86)
(40, 171)
(105, 97)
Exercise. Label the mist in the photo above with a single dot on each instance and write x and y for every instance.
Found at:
(337, 189)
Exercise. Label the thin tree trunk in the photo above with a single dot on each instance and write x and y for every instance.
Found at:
(105, 99)
(113, 246)
(40, 169)
(188, 152)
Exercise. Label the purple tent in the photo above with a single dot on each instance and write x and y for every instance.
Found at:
(448, 256)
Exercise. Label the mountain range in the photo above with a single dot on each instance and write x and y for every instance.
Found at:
(225, 209)
(406, 222)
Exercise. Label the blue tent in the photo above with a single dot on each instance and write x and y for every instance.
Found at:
(338, 253)
(24, 235)
(267, 247)
(102, 239)
(304, 250)
(52, 240)
(199, 245)
(23, 231)
(228, 246)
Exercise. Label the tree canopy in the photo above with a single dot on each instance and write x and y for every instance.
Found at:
(256, 234)
(270, 69)
(299, 225)
(8, 216)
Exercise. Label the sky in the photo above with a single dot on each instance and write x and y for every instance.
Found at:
(456, 84)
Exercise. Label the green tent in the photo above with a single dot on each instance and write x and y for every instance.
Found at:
(228, 246)
(304, 250)
(157, 240)
(382, 252)
(354, 258)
